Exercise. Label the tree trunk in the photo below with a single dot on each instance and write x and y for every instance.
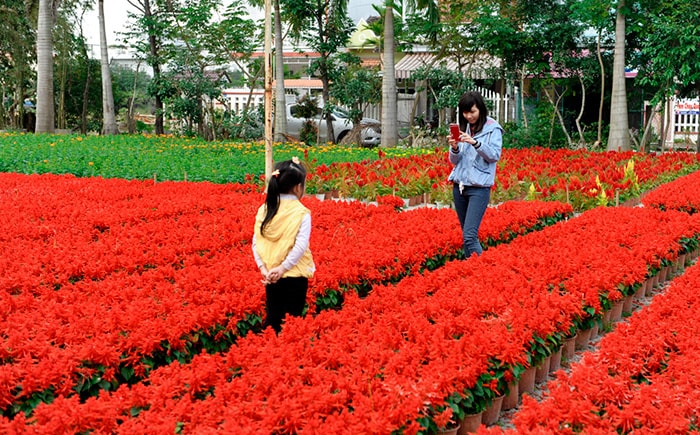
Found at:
(522, 97)
(86, 93)
(581, 139)
(281, 98)
(130, 114)
(45, 111)
(390, 134)
(109, 120)
(647, 129)
(618, 138)
(326, 92)
(602, 91)
(557, 113)
(501, 106)
(61, 107)
(155, 64)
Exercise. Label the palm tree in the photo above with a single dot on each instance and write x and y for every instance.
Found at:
(153, 29)
(110, 123)
(618, 138)
(45, 111)
(390, 131)
(281, 100)
(390, 135)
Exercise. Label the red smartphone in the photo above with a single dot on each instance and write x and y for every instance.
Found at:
(454, 131)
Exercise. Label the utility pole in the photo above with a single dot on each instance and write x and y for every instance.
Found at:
(268, 91)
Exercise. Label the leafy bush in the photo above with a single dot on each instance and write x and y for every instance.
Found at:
(246, 125)
(540, 131)
(308, 132)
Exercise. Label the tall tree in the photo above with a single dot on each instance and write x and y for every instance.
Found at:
(618, 137)
(85, 58)
(390, 134)
(45, 110)
(151, 22)
(357, 88)
(202, 46)
(281, 99)
(280, 127)
(109, 119)
(595, 13)
(17, 41)
(669, 56)
(326, 27)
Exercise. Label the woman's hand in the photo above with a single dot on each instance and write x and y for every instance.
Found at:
(468, 139)
(453, 144)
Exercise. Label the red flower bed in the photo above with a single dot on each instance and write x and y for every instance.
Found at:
(103, 279)
(681, 194)
(577, 177)
(644, 378)
(396, 357)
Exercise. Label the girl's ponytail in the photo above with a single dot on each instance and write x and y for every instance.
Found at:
(286, 175)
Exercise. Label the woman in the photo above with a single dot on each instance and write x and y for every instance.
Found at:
(474, 158)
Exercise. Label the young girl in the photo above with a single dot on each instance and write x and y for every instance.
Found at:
(281, 243)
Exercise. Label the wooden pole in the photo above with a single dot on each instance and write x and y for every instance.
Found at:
(268, 91)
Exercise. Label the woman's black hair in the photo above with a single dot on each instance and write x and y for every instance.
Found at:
(286, 175)
(466, 102)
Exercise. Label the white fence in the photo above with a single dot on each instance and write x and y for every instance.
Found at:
(499, 102)
(680, 122)
(494, 101)
(237, 100)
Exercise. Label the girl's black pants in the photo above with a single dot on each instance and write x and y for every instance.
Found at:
(286, 296)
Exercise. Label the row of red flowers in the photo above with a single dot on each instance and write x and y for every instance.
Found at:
(150, 268)
(681, 194)
(394, 360)
(644, 378)
(582, 178)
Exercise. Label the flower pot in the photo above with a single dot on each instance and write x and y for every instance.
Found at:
(510, 400)
(569, 350)
(654, 283)
(607, 323)
(555, 361)
(470, 423)
(594, 331)
(616, 311)
(542, 370)
(583, 336)
(451, 431)
(491, 414)
(681, 261)
(641, 291)
(526, 385)
(627, 304)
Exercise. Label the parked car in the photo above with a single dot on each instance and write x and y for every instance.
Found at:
(371, 131)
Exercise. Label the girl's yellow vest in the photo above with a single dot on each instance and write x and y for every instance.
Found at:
(279, 238)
